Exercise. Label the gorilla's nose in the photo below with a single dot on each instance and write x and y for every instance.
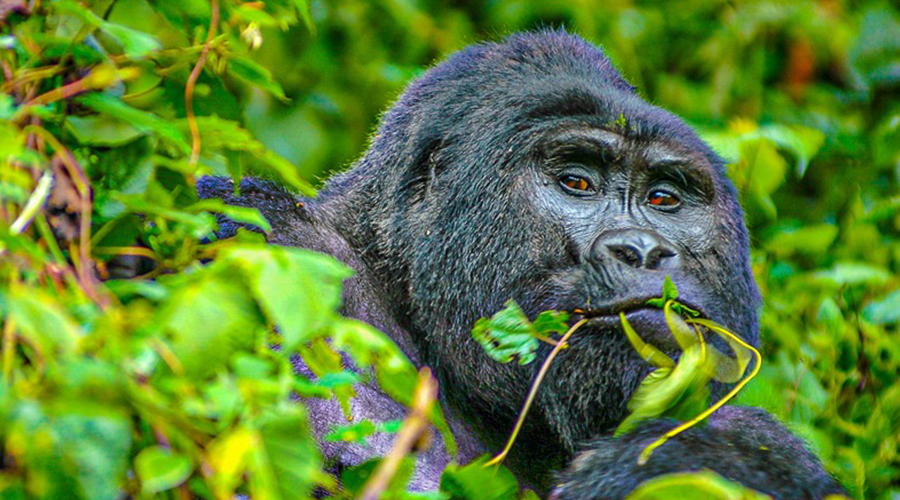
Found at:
(637, 248)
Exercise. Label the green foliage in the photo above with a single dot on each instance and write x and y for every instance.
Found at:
(476, 481)
(106, 386)
(510, 334)
(165, 383)
(695, 486)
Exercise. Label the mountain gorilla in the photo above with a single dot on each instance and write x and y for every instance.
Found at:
(531, 170)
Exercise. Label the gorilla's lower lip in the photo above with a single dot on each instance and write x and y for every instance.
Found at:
(649, 323)
(626, 306)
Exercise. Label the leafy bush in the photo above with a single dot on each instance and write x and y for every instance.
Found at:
(164, 383)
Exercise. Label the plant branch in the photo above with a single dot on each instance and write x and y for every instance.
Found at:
(414, 426)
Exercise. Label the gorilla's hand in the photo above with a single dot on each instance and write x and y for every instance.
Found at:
(746, 445)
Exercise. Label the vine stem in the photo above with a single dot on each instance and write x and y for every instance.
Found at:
(645, 454)
(192, 81)
(533, 392)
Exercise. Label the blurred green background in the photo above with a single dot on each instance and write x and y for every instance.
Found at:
(801, 97)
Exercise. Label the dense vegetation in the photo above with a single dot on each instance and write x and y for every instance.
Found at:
(164, 383)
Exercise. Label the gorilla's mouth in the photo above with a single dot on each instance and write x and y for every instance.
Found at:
(649, 322)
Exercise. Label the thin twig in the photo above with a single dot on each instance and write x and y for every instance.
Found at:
(531, 394)
(414, 426)
(192, 81)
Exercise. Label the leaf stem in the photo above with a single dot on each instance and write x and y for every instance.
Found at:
(531, 393)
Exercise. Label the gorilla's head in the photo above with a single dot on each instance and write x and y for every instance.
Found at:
(531, 170)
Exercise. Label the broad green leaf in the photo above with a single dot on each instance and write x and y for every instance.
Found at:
(802, 142)
(830, 315)
(209, 316)
(474, 481)
(141, 120)
(7, 108)
(343, 378)
(305, 14)
(854, 273)
(160, 469)
(243, 215)
(810, 240)
(229, 456)
(95, 446)
(884, 311)
(299, 289)
(12, 141)
(663, 388)
(693, 486)
(101, 130)
(549, 322)
(134, 43)
(286, 462)
(508, 334)
(38, 317)
(248, 70)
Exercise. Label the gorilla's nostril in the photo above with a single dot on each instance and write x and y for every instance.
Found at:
(627, 254)
(639, 249)
(656, 256)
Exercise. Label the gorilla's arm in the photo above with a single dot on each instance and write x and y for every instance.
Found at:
(746, 445)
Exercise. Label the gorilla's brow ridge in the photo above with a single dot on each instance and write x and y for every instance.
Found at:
(583, 141)
(568, 102)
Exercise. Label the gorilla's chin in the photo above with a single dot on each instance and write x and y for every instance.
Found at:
(588, 388)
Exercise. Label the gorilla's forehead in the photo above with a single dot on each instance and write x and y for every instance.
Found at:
(534, 79)
(566, 138)
(620, 119)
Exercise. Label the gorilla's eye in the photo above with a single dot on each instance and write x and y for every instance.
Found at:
(664, 199)
(576, 183)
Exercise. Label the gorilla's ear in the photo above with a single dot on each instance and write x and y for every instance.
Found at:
(419, 178)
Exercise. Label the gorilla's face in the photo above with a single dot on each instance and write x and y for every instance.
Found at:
(537, 174)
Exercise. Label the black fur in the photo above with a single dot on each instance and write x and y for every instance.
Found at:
(457, 206)
(744, 444)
